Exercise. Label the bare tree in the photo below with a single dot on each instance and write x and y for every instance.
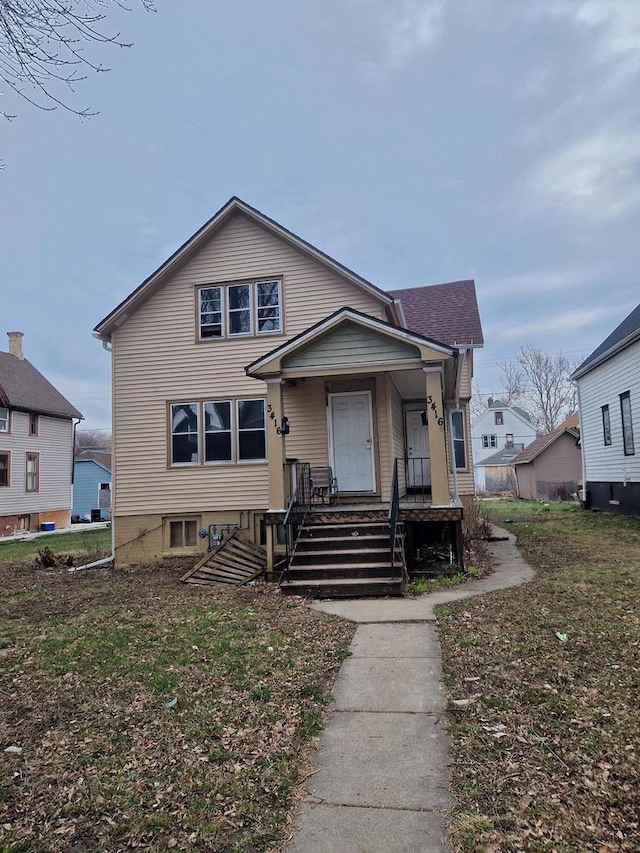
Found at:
(92, 439)
(42, 47)
(539, 381)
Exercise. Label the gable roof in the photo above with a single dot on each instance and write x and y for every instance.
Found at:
(188, 249)
(622, 336)
(25, 388)
(338, 317)
(541, 443)
(443, 312)
(502, 457)
(100, 457)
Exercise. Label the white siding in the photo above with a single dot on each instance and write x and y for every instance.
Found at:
(157, 359)
(523, 432)
(54, 444)
(603, 386)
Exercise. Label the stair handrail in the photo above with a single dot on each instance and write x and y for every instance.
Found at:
(397, 554)
(296, 513)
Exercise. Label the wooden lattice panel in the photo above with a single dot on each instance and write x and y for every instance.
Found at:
(235, 560)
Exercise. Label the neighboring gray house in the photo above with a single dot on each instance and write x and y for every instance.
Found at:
(92, 486)
(36, 446)
(499, 428)
(609, 403)
(550, 468)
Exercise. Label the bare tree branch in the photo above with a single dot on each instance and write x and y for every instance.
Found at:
(42, 48)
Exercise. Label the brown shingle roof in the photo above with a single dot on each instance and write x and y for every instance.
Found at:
(23, 387)
(542, 442)
(443, 312)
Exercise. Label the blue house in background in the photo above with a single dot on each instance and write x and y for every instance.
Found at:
(92, 486)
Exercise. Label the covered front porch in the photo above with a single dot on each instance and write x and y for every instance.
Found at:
(363, 408)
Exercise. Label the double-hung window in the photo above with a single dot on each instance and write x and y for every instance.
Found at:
(489, 441)
(457, 435)
(218, 431)
(234, 310)
(33, 423)
(5, 468)
(4, 419)
(627, 424)
(606, 425)
(33, 472)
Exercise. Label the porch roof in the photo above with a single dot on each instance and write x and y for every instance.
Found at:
(379, 347)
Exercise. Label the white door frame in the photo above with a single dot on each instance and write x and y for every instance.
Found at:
(330, 397)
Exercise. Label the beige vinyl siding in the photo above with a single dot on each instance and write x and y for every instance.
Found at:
(351, 344)
(383, 444)
(465, 378)
(54, 445)
(464, 478)
(157, 360)
(305, 406)
(394, 405)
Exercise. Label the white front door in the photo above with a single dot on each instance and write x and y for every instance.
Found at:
(351, 432)
(418, 461)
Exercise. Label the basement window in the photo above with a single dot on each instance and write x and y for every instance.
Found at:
(183, 533)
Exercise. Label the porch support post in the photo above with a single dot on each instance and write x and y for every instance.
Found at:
(275, 445)
(437, 448)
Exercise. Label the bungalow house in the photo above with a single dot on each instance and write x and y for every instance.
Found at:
(36, 446)
(608, 383)
(92, 485)
(259, 384)
(498, 434)
(550, 468)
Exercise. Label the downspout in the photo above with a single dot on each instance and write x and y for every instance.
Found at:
(103, 562)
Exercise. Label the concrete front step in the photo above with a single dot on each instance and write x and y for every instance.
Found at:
(343, 587)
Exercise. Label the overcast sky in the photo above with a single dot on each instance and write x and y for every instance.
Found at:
(416, 141)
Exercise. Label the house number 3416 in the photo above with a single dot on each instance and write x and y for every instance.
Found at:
(431, 403)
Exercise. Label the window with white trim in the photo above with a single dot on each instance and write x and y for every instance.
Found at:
(234, 310)
(606, 425)
(489, 441)
(33, 472)
(4, 419)
(222, 431)
(457, 437)
(627, 424)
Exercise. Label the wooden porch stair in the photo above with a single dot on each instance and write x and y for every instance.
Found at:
(343, 559)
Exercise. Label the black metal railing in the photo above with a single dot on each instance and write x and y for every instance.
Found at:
(297, 510)
(395, 541)
(418, 476)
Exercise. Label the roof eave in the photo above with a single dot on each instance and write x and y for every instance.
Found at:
(606, 355)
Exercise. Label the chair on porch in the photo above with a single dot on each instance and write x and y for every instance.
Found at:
(323, 485)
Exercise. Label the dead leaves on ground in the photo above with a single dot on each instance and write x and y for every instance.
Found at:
(546, 753)
(155, 716)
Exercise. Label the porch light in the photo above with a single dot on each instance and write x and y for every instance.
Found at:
(283, 429)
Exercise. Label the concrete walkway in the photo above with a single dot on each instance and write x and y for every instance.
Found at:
(381, 783)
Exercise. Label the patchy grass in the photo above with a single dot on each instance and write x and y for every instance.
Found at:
(155, 715)
(546, 757)
(82, 545)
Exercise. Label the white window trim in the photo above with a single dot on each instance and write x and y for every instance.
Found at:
(464, 441)
(225, 310)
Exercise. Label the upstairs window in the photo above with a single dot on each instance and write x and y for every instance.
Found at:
(489, 441)
(33, 423)
(4, 419)
(234, 310)
(627, 424)
(33, 472)
(457, 435)
(606, 425)
(498, 418)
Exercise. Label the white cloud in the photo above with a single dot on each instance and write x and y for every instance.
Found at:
(567, 322)
(537, 282)
(409, 27)
(594, 178)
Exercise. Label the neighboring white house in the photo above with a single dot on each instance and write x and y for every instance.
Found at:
(36, 446)
(499, 428)
(609, 402)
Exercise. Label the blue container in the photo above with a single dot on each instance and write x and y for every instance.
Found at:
(48, 525)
